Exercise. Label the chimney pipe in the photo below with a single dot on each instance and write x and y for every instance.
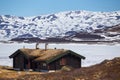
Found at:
(37, 45)
(46, 44)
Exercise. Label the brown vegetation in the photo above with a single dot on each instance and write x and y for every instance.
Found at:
(114, 29)
(107, 70)
(7, 73)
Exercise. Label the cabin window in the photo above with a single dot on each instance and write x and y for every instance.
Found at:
(62, 61)
(44, 64)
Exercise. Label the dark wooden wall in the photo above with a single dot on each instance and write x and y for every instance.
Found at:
(18, 62)
(67, 60)
(73, 61)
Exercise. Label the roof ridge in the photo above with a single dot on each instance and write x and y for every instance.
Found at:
(40, 49)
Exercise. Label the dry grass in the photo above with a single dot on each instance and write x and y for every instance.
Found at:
(7, 73)
(107, 70)
(41, 54)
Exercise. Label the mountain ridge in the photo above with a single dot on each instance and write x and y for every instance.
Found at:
(58, 24)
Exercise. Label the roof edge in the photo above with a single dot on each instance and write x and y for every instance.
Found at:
(17, 52)
(60, 55)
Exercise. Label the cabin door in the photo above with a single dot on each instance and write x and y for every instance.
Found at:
(26, 63)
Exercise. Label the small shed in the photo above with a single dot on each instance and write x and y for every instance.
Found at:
(45, 59)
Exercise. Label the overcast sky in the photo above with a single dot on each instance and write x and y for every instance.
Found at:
(40, 7)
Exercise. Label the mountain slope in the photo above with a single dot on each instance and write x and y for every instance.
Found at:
(54, 25)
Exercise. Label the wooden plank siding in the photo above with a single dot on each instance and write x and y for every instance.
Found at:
(68, 60)
(18, 62)
(73, 61)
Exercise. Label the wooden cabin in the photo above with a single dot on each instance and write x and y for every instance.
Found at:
(45, 59)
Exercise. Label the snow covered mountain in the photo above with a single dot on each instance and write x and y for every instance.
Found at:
(53, 25)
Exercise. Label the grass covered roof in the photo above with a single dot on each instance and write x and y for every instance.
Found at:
(48, 55)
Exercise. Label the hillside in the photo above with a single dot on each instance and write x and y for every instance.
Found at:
(106, 70)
